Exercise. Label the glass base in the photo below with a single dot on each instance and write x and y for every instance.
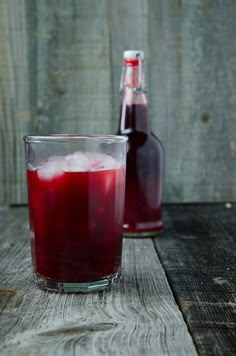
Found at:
(74, 287)
(142, 234)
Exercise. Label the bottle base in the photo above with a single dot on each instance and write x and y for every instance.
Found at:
(143, 229)
(74, 287)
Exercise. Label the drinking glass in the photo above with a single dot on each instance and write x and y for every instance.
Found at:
(76, 186)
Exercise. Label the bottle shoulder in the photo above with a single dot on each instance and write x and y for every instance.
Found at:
(156, 139)
(134, 135)
(154, 144)
(143, 143)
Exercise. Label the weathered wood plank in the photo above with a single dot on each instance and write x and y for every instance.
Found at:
(192, 94)
(208, 91)
(74, 83)
(225, 344)
(165, 97)
(138, 316)
(15, 112)
(198, 254)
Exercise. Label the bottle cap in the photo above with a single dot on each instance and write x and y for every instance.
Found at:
(134, 54)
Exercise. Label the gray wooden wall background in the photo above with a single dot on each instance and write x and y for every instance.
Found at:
(60, 65)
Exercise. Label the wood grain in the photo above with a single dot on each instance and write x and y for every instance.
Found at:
(192, 95)
(165, 85)
(198, 254)
(74, 83)
(15, 112)
(208, 93)
(60, 66)
(138, 316)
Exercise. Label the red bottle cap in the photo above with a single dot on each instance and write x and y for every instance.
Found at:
(131, 57)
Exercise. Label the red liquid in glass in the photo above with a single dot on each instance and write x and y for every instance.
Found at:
(76, 222)
(143, 171)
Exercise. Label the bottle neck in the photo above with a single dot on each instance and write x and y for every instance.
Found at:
(134, 105)
(133, 76)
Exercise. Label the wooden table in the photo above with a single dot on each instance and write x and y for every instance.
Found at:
(176, 295)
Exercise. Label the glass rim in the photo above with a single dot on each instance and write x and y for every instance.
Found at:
(72, 137)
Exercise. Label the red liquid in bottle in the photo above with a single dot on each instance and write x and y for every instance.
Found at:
(75, 220)
(144, 159)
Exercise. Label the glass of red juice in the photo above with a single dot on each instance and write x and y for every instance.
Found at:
(76, 188)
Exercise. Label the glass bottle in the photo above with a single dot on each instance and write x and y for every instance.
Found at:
(145, 154)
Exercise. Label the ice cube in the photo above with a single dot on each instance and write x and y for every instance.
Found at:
(77, 162)
(101, 161)
(51, 168)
